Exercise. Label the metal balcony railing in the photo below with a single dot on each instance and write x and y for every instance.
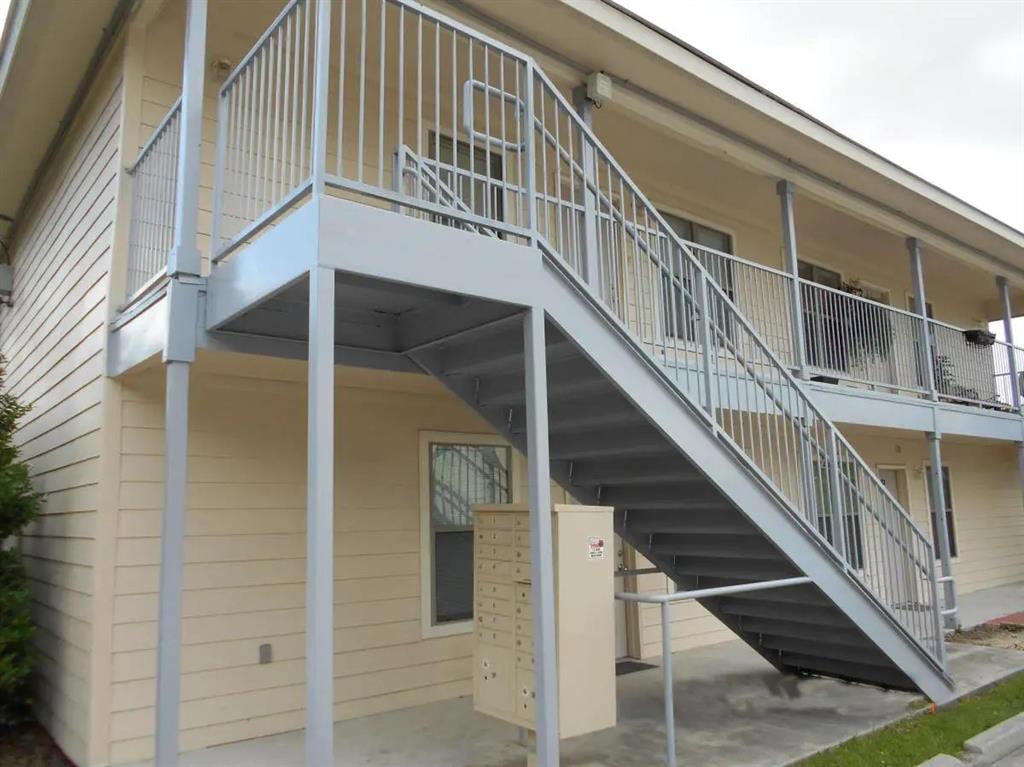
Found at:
(391, 104)
(863, 342)
(154, 178)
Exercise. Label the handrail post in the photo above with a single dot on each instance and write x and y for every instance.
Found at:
(531, 154)
(785, 190)
(219, 166)
(591, 257)
(1011, 353)
(707, 353)
(940, 643)
(938, 508)
(666, 673)
(926, 353)
(322, 67)
(836, 497)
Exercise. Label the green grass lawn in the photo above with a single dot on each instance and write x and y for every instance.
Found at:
(911, 742)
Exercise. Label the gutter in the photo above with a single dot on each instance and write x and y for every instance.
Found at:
(7, 49)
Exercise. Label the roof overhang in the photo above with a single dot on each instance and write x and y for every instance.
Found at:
(46, 48)
(664, 76)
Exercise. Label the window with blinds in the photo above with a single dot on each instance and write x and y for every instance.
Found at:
(461, 476)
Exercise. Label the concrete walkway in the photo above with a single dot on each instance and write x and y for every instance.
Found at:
(980, 606)
(732, 709)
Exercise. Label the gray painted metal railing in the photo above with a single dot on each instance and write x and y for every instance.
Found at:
(660, 292)
(417, 112)
(154, 179)
(863, 342)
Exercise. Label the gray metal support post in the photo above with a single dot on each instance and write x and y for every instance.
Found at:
(667, 679)
(1011, 356)
(183, 267)
(542, 566)
(531, 155)
(320, 522)
(591, 256)
(924, 345)
(785, 190)
(172, 545)
(184, 257)
(938, 507)
(836, 496)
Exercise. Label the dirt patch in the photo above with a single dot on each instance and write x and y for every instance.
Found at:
(1009, 636)
(29, 746)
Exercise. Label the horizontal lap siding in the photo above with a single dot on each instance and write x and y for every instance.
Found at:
(52, 339)
(988, 512)
(245, 555)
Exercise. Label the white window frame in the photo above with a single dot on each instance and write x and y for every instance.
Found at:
(429, 629)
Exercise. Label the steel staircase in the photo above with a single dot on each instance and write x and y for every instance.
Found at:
(664, 403)
(663, 400)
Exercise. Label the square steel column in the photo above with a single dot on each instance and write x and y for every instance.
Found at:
(183, 269)
(184, 257)
(542, 565)
(320, 522)
(938, 507)
(796, 316)
(925, 351)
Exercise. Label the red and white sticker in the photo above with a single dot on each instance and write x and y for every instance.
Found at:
(595, 547)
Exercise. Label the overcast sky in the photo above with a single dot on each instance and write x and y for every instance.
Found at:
(937, 87)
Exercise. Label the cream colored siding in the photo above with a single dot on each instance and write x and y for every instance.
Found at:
(988, 513)
(52, 339)
(245, 552)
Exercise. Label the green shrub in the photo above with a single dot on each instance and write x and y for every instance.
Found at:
(19, 504)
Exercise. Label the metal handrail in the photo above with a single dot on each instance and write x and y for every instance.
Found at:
(153, 176)
(897, 370)
(158, 131)
(713, 304)
(665, 601)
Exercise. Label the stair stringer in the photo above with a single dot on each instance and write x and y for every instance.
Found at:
(429, 361)
(572, 308)
(610, 348)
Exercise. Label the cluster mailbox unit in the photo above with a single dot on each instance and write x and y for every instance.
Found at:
(584, 572)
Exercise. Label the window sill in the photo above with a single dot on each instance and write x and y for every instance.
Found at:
(454, 628)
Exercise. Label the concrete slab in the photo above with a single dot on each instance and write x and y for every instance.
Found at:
(732, 710)
(942, 760)
(997, 742)
(988, 604)
(1016, 759)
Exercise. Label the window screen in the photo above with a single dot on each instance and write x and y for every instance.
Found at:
(461, 476)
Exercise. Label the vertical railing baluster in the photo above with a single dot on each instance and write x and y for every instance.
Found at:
(321, 84)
